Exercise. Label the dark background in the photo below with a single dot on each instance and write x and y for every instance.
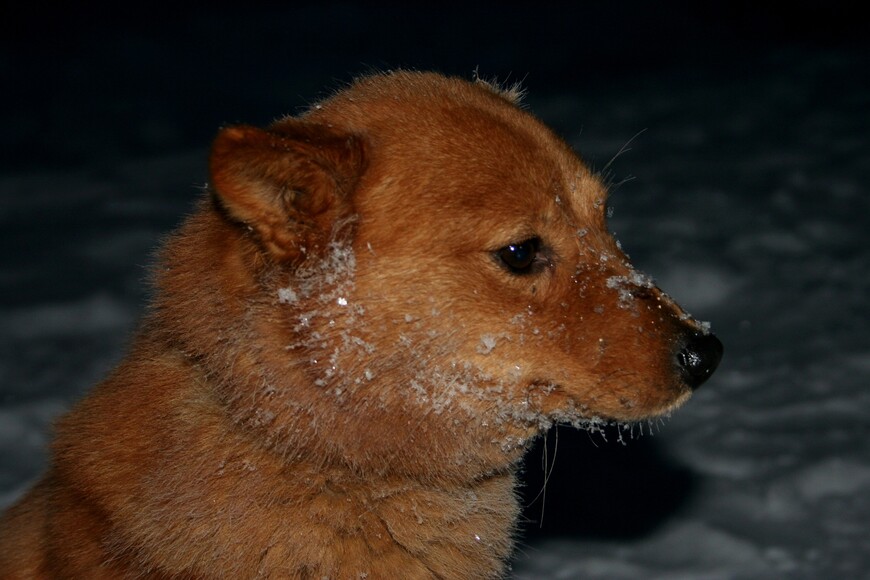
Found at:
(179, 72)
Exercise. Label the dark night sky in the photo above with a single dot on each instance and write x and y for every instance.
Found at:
(183, 71)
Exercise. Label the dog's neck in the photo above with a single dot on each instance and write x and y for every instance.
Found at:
(211, 499)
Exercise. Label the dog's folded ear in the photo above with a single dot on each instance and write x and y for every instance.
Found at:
(290, 185)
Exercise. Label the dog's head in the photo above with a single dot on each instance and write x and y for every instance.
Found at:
(429, 273)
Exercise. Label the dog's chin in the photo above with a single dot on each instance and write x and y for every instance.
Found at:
(659, 412)
(559, 405)
(676, 404)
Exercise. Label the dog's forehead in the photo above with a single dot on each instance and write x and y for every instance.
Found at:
(447, 140)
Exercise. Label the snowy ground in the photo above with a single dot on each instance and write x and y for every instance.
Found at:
(749, 205)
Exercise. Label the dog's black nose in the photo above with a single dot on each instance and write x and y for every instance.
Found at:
(699, 358)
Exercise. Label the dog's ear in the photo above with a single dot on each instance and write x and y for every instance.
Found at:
(290, 185)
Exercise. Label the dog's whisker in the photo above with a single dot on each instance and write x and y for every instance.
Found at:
(624, 149)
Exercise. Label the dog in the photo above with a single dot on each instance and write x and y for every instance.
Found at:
(352, 341)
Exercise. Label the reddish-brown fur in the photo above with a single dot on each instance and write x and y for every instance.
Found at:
(337, 377)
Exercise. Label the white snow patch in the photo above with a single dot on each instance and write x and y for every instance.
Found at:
(24, 433)
(327, 324)
(698, 287)
(287, 295)
(625, 286)
(487, 344)
(832, 478)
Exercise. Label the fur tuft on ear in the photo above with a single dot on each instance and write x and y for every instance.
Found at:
(289, 184)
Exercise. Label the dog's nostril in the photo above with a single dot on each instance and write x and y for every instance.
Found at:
(699, 358)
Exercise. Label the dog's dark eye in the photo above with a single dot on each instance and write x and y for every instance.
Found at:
(520, 258)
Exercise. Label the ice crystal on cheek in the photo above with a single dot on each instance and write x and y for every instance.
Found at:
(326, 320)
(487, 343)
(702, 325)
(287, 295)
